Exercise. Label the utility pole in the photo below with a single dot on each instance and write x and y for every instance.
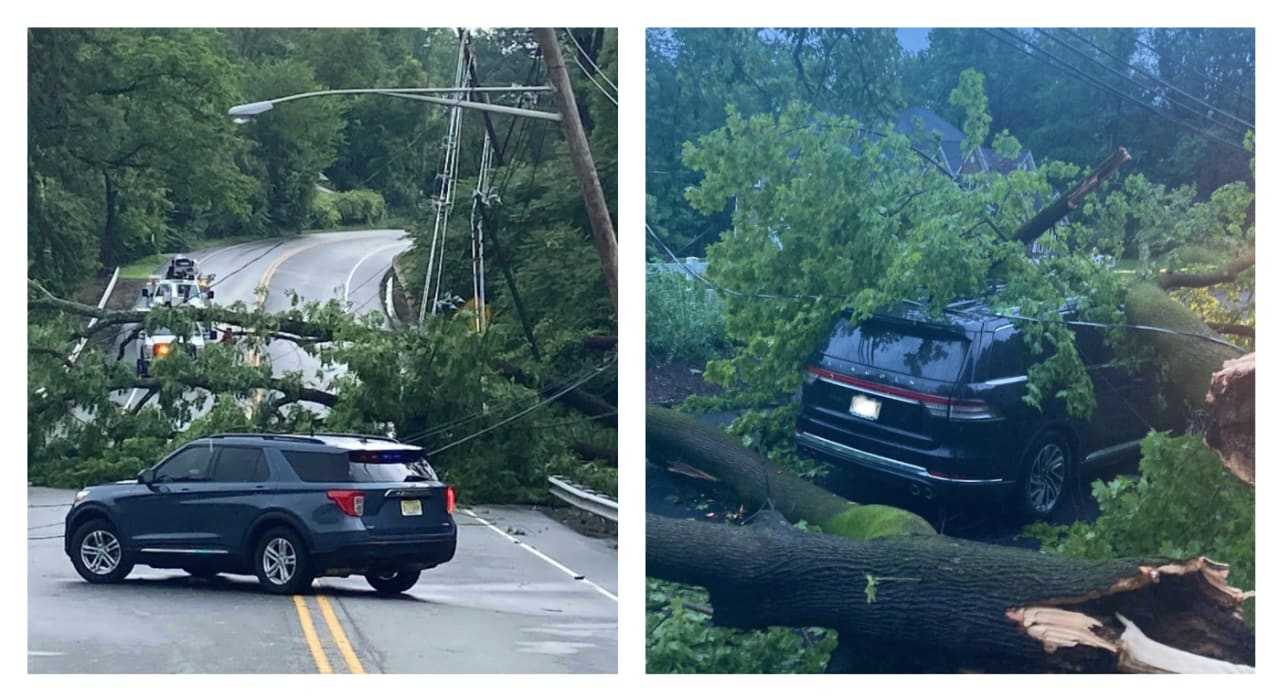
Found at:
(584, 166)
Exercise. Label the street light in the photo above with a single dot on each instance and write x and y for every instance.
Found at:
(243, 113)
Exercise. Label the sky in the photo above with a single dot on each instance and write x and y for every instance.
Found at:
(913, 40)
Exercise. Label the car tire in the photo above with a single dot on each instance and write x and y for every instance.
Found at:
(98, 554)
(393, 582)
(1047, 467)
(281, 562)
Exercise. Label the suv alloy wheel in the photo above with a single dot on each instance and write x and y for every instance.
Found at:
(97, 554)
(1046, 468)
(281, 562)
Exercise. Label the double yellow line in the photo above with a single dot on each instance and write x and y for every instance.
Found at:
(335, 632)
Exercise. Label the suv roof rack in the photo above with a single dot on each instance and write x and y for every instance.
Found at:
(360, 436)
(269, 436)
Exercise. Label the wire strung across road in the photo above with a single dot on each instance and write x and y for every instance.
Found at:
(583, 377)
(569, 388)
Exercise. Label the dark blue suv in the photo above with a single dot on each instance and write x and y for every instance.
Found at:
(286, 508)
(936, 406)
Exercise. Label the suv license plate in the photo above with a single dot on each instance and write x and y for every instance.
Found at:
(865, 407)
(410, 507)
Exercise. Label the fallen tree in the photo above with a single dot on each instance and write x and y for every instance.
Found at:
(951, 604)
(933, 603)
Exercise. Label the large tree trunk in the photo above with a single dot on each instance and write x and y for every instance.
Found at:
(671, 437)
(112, 206)
(935, 603)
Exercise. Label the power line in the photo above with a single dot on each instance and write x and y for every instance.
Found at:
(1209, 80)
(592, 63)
(1077, 73)
(1158, 79)
(589, 372)
(521, 414)
(587, 73)
(1130, 80)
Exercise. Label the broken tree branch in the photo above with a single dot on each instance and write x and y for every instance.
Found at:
(1168, 280)
(1071, 200)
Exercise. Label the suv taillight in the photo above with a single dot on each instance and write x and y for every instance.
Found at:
(971, 410)
(450, 500)
(351, 502)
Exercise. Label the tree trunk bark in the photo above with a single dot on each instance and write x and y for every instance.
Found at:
(957, 605)
(108, 244)
(673, 437)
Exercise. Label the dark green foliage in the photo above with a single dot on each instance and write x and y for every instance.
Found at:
(681, 639)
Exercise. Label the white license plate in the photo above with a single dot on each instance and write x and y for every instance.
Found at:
(865, 407)
(410, 507)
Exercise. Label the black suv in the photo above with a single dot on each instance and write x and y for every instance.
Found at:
(935, 405)
(286, 508)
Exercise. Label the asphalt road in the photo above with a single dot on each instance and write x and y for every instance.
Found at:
(510, 601)
(524, 594)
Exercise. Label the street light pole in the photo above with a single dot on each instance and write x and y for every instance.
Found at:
(244, 112)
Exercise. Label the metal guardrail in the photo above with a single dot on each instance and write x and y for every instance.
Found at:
(583, 498)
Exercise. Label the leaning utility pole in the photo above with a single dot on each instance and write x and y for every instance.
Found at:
(583, 166)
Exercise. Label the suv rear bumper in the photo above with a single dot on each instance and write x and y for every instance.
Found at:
(417, 551)
(911, 476)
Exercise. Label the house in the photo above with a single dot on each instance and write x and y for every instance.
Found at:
(931, 133)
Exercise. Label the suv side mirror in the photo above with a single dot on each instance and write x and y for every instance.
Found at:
(147, 476)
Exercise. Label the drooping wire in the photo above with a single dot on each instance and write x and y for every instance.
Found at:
(1157, 79)
(1076, 73)
(568, 388)
(1091, 60)
(1208, 80)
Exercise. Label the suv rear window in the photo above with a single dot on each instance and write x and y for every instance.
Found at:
(912, 351)
(316, 466)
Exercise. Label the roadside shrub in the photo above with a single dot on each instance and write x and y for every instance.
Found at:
(324, 211)
(356, 207)
(360, 206)
(684, 319)
(1183, 503)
